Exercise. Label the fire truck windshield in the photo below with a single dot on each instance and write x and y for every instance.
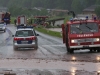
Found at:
(84, 28)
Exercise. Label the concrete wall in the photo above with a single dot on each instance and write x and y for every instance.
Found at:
(59, 22)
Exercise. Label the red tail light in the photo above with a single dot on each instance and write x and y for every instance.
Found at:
(31, 38)
(16, 39)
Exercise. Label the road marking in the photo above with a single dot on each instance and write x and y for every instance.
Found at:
(44, 51)
(62, 45)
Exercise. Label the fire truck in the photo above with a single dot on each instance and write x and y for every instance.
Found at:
(40, 20)
(80, 34)
(5, 17)
(21, 20)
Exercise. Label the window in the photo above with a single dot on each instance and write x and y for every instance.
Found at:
(84, 28)
(24, 33)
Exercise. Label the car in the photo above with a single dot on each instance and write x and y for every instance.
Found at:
(25, 37)
(3, 27)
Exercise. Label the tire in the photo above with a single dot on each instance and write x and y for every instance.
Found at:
(71, 51)
(98, 50)
(36, 47)
(91, 50)
(15, 48)
(67, 48)
(4, 30)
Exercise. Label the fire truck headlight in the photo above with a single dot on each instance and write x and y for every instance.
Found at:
(96, 39)
(73, 41)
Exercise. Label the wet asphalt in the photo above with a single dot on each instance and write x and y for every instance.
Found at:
(50, 48)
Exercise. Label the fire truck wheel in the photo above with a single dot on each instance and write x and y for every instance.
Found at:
(67, 49)
(36, 48)
(98, 50)
(91, 50)
(71, 51)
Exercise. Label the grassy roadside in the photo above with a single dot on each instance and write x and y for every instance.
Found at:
(12, 20)
(52, 33)
(49, 32)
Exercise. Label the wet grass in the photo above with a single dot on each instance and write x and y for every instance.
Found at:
(49, 32)
(12, 20)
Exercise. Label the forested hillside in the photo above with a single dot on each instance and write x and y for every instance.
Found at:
(75, 5)
(62, 4)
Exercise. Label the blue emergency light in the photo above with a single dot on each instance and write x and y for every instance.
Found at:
(86, 17)
(95, 18)
(71, 20)
(22, 26)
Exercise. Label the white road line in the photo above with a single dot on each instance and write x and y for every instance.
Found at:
(56, 51)
(44, 51)
(62, 45)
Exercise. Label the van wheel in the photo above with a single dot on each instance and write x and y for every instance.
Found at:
(15, 48)
(67, 49)
(36, 48)
(70, 50)
(4, 30)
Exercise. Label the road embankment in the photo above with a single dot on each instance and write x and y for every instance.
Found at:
(50, 31)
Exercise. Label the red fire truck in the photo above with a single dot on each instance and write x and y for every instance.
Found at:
(40, 20)
(5, 17)
(81, 34)
(21, 20)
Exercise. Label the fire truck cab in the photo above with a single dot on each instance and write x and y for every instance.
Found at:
(5, 17)
(81, 34)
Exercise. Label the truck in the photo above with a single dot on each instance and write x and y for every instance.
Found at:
(5, 17)
(21, 20)
(81, 34)
(40, 20)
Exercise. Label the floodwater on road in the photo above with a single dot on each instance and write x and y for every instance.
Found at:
(51, 58)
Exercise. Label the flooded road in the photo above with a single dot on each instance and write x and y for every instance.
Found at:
(51, 58)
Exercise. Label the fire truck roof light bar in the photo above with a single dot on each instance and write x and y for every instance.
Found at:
(20, 27)
(81, 19)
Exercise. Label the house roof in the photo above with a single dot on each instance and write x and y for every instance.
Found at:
(91, 8)
(41, 17)
(59, 10)
(56, 19)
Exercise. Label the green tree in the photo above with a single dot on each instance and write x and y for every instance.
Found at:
(76, 6)
(97, 1)
(43, 12)
(97, 11)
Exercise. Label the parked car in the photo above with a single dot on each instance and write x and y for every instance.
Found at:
(3, 27)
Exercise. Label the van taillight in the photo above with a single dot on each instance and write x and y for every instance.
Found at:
(16, 39)
(31, 38)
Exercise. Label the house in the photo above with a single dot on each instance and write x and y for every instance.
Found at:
(56, 22)
(3, 9)
(90, 10)
(55, 12)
